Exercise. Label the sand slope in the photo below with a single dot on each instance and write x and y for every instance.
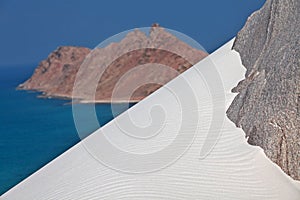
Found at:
(231, 170)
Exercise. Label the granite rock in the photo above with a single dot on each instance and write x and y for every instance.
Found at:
(267, 106)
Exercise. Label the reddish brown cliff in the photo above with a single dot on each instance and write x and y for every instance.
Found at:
(56, 75)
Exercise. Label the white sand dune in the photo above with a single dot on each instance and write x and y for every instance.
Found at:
(168, 166)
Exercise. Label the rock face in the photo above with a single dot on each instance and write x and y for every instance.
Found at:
(268, 104)
(55, 76)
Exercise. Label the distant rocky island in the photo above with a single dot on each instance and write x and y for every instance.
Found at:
(55, 76)
(267, 106)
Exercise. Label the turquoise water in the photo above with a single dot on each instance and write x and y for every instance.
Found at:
(33, 131)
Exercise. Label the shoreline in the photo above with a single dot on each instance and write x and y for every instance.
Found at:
(107, 102)
(45, 95)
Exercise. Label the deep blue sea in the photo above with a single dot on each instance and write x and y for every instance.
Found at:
(33, 131)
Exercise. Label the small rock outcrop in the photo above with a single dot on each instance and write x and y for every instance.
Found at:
(267, 106)
(56, 75)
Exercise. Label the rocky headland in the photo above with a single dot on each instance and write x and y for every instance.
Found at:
(55, 76)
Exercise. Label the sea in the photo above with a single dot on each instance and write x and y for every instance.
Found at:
(34, 131)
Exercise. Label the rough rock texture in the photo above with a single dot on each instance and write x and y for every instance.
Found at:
(55, 76)
(268, 104)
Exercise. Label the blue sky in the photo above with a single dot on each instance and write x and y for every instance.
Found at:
(31, 29)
